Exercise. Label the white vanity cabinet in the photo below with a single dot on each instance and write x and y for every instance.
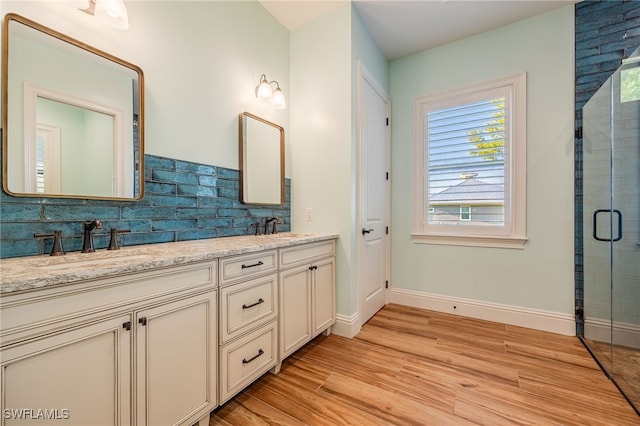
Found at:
(131, 349)
(248, 319)
(307, 294)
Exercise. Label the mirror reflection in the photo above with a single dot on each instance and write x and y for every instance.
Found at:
(71, 117)
(261, 161)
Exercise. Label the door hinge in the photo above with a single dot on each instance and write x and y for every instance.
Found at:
(386, 230)
(386, 284)
(578, 133)
(387, 121)
(386, 175)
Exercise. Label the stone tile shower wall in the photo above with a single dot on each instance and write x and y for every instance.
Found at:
(182, 201)
(605, 33)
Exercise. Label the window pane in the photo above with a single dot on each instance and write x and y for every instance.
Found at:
(630, 84)
(465, 160)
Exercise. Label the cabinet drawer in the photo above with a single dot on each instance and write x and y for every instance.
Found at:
(26, 311)
(247, 305)
(246, 359)
(306, 253)
(247, 266)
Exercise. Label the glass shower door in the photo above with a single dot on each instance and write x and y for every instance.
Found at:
(611, 206)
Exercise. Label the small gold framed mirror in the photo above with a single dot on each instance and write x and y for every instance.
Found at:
(261, 161)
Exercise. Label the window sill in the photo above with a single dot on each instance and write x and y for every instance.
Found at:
(471, 241)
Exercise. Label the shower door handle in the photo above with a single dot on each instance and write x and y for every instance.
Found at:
(595, 224)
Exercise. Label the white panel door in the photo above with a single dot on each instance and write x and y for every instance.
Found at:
(373, 190)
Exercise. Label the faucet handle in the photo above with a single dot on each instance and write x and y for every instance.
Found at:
(276, 221)
(56, 249)
(113, 242)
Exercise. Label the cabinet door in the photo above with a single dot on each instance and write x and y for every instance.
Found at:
(295, 309)
(324, 295)
(176, 361)
(78, 376)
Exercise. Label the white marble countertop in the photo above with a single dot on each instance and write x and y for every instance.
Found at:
(34, 272)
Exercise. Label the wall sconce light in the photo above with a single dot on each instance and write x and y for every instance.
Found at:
(113, 12)
(275, 97)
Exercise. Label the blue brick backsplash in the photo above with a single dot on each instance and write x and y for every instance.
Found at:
(605, 33)
(182, 201)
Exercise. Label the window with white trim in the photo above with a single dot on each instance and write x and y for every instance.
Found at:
(470, 165)
(465, 213)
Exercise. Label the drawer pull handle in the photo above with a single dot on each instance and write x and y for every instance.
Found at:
(247, 361)
(261, 300)
(260, 263)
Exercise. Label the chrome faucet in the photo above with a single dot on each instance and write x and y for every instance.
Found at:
(267, 221)
(87, 243)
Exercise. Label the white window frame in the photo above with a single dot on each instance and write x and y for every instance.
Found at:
(467, 213)
(513, 233)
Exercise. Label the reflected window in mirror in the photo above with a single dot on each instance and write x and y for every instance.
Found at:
(72, 117)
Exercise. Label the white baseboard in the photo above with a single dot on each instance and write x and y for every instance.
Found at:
(624, 334)
(553, 322)
(346, 326)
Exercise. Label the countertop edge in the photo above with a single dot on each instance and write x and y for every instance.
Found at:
(25, 274)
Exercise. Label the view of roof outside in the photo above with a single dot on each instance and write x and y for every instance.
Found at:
(466, 164)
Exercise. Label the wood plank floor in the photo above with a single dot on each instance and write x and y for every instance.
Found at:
(625, 368)
(409, 366)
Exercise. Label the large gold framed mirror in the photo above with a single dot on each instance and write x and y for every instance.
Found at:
(72, 117)
(261, 161)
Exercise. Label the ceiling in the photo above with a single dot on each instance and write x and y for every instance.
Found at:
(402, 28)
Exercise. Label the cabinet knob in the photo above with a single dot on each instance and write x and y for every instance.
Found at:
(127, 325)
(143, 320)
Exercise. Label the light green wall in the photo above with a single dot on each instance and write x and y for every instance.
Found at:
(324, 54)
(541, 275)
(365, 52)
(365, 49)
(321, 136)
(201, 62)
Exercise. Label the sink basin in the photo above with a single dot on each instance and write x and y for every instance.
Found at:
(93, 262)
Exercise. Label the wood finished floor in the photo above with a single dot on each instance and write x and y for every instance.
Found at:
(409, 366)
(626, 366)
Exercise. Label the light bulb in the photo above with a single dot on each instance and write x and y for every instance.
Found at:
(114, 12)
(277, 100)
(264, 90)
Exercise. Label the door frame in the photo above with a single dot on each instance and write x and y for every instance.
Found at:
(363, 74)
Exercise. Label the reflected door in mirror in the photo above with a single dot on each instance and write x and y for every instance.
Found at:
(72, 117)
